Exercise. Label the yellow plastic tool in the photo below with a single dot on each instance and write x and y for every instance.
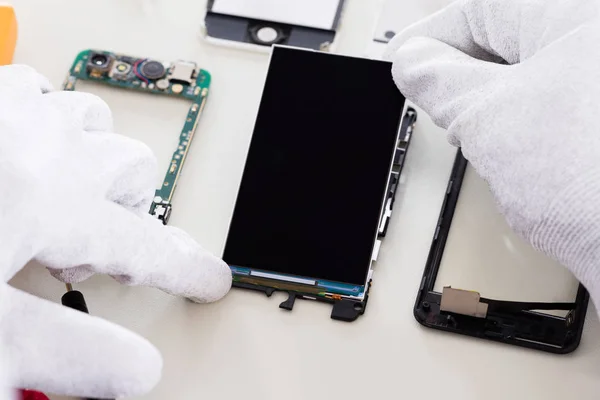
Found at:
(8, 33)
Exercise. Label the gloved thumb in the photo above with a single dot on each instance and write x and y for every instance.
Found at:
(54, 349)
(440, 79)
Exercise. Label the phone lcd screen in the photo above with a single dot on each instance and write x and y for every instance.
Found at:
(312, 190)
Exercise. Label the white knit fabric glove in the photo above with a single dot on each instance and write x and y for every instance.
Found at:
(75, 197)
(517, 85)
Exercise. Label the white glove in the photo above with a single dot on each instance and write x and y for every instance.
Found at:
(76, 198)
(517, 85)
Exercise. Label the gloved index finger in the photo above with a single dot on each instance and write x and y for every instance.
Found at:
(488, 30)
(137, 250)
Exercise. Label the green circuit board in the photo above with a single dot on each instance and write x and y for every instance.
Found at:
(181, 79)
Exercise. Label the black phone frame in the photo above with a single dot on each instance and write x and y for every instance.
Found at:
(522, 327)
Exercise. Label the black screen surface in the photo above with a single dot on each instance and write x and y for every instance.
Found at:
(317, 169)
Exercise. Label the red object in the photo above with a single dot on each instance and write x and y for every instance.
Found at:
(31, 395)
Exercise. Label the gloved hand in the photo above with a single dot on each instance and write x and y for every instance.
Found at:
(76, 198)
(516, 83)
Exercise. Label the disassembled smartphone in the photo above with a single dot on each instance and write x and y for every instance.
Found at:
(179, 78)
(258, 24)
(320, 179)
(466, 312)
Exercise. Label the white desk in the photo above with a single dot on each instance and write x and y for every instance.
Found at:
(244, 347)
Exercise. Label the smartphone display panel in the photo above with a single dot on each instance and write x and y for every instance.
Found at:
(318, 167)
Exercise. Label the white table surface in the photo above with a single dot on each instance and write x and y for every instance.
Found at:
(244, 347)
